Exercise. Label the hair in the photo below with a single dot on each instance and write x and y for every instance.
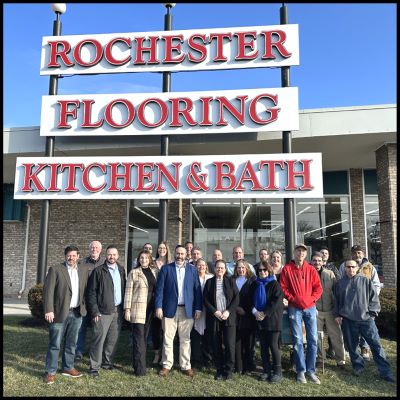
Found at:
(71, 248)
(196, 248)
(346, 261)
(147, 243)
(268, 267)
(95, 241)
(249, 272)
(324, 248)
(168, 256)
(237, 247)
(188, 242)
(262, 248)
(180, 245)
(220, 261)
(316, 254)
(202, 259)
(149, 256)
(275, 252)
(111, 246)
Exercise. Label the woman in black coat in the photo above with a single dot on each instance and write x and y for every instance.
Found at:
(268, 310)
(221, 297)
(246, 322)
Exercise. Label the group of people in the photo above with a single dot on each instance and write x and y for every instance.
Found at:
(217, 309)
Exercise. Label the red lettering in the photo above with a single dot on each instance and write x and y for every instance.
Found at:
(198, 47)
(128, 107)
(152, 50)
(30, 177)
(63, 53)
(108, 51)
(220, 175)
(175, 112)
(251, 176)
(205, 112)
(271, 173)
(173, 180)
(273, 111)
(53, 178)
(85, 177)
(64, 112)
(242, 45)
(98, 52)
(305, 173)
(225, 103)
(169, 48)
(163, 113)
(87, 112)
(269, 44)
(142, 176)
(71, 176)
(220, 44)
(125, 176)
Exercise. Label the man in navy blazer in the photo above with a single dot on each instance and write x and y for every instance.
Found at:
(178, 299)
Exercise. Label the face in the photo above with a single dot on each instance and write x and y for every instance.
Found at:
(144, 260)
(201, 267)
(189, 248)
(237, 253)
(325, 255)
(180, 255)
(112, 255)
(262, 272)
(95, 250)
(317, 262)
(358, 256)
(71, 258)
(241, 269)
(264, 255)
(162, 250)
(300, 254)
(276, 259)
(148, 247)
(220, 269)
(196, 254)
(351, 268)
(217, 255)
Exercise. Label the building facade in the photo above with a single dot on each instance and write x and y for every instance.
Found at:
(359, 156)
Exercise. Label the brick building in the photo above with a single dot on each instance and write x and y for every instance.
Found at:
(359, 155)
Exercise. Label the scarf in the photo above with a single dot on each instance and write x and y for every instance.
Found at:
(260, 297)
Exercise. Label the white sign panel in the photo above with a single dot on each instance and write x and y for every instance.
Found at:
(186, 50)
(296, 175)
(227, 111)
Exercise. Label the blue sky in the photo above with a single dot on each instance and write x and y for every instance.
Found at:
(347, 52)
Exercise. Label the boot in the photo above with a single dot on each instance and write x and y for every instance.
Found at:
(276, 377)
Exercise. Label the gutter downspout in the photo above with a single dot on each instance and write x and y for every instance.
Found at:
(25, 251)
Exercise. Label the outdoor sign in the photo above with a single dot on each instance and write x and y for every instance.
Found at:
(294, 175)
(248, 110)
(185, 50)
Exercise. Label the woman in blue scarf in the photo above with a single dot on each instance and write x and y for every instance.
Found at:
(268, 311)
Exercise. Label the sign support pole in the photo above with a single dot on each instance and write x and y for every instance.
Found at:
(45, 213)
(289, 206)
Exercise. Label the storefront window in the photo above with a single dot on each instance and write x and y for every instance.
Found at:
(373, 230)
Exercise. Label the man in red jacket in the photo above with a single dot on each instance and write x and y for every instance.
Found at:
(302, 288)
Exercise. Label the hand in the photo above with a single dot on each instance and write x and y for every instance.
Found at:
(218, 315)
(240, 311)
(285, 302)
(225, 315)
(159, 313)
(197, 315)
(96, 319)
(260, 315)
(127, 314)
(339, 320)
(49, 317)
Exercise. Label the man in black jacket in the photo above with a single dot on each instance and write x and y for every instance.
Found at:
(105, 298)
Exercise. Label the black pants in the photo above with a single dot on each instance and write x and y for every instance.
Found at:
(269, 342)
(200, 348)
(139, 345)
(244, 350)
(223, 344)
(156, 333)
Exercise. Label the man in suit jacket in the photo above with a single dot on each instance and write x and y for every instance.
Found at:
(64, 305)
(178, 298)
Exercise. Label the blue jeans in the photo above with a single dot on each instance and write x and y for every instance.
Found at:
(368, 330)
(57, 331)
(309, 317)
(80, 344)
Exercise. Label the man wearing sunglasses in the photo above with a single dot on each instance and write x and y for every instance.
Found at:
(355, 308)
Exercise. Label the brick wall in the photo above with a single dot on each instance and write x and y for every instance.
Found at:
(357, 207)
(174, 234)
(386, 165)
(71, 222)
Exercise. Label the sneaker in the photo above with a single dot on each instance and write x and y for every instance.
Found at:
(72, 373)
(49, 379)
(78, 356)
(301, 378)
(341, 364)
(94, 374)
(365, 354)
(275, 378)
(388, 378)
(358, 371)
(264, 377)
(313, 378)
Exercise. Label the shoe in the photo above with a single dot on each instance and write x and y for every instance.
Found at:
(228, 376)
(78, 356)
(388, 378)
(49, 379)
(365, 354)
(73, 373)
(313, 378)
(163, 372)
(341, 364)
(188, 372)
(94, 374)
(264, 377)
(218, 377)
(275, 378)
(301, 378)
(330, 354)
(358, 371)
(346, 355)
(110, 366)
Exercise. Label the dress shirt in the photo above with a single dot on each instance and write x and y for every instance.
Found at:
(180, 276)
(73, 276)
(240, 281)
(116, 277)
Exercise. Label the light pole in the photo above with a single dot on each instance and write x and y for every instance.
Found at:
(289, 210)
(166, 87)
(58, 8)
